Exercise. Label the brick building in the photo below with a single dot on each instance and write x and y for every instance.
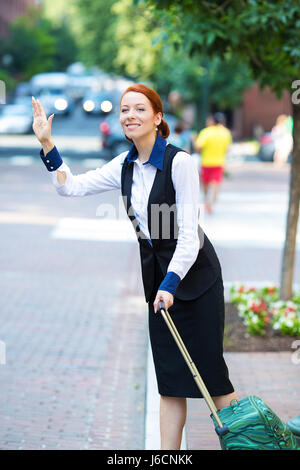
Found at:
(259, 108)
(12, 9)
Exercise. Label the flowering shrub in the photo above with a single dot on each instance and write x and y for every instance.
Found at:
(260, 307)
(286, 317)
(240, 294)
(296, 298)
(270, 294)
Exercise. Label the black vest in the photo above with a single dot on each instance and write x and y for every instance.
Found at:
(205, 270)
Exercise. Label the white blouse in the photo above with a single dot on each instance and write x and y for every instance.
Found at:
(186, 183)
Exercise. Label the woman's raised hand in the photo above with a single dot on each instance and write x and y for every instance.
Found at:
(41, 125)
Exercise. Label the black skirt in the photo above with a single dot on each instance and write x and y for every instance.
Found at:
(200, 323)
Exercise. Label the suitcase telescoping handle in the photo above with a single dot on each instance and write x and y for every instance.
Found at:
(222, 428)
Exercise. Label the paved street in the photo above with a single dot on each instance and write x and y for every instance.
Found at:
(74, 320)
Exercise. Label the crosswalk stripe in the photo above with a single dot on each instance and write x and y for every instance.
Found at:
(95, 230)
(22, 160)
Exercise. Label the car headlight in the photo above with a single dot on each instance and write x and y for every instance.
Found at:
(61, 104)
(106, 106)
(88, 105)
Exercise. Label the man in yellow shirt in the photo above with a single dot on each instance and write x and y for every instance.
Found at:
(213, 142)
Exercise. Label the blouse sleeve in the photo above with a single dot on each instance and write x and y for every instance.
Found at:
(106, 178)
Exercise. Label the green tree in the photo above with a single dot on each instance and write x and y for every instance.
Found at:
(135, 31)
(265, 36)
(144, 55)
(35, 45)
(206, 83)
(98, 43)
(124, 37)
(29, 45)
(66, 50)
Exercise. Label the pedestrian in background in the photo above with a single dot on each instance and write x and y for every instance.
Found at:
(213, 142)
(283, 139)
(179, 266)
(177, 137)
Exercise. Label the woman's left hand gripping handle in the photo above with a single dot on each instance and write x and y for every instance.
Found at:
(163, 300)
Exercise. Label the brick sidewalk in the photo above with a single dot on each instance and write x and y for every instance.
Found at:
(76, 343)
(271, 376)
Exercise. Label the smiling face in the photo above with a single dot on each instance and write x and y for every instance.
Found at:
(137, 117)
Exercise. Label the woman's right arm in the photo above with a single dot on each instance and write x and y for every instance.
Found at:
(94, 181)
(106, 178)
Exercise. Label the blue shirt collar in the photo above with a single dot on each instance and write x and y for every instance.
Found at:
(157, 154)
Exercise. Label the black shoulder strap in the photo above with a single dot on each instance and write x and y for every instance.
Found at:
(170, 153)
(171, 150)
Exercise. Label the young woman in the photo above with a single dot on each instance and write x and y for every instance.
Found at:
(160, 189)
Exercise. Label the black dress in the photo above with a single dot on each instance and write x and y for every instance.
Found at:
(200, 323)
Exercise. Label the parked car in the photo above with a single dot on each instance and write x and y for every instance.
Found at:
(15, 119)
(99, 103)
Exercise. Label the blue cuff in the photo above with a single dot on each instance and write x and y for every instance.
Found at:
(52, 160)
(170, 282)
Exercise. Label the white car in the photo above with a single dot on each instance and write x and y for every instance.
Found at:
(15, 119)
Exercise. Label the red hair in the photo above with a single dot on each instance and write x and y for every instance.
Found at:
(156, 104)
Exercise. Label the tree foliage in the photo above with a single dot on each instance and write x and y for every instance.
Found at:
(34, 45)
(130, 39)
(99, 45)
(263, 35)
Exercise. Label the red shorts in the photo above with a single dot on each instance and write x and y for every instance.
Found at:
(211, 173)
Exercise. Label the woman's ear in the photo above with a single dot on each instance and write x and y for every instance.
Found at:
(158, 119)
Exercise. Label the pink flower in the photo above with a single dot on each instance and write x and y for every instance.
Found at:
(263, 305)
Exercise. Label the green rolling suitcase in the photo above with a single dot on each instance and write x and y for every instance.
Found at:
(247, 424)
